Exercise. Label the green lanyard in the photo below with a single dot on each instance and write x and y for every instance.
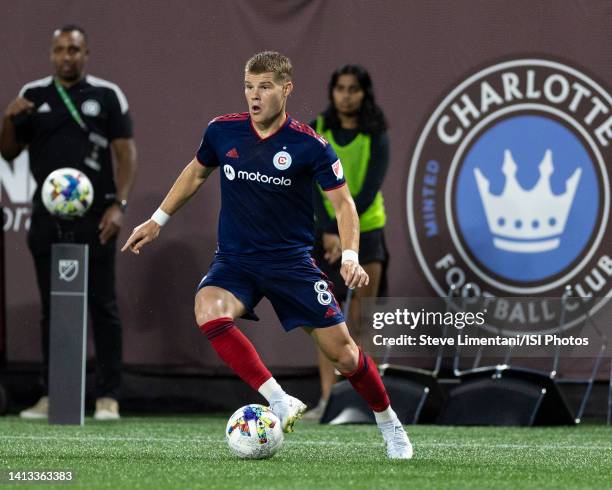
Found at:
(70, 106)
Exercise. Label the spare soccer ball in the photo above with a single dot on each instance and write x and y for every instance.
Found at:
(254, 432)
(67, 193)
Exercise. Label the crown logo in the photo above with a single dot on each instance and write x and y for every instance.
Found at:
(527, 221)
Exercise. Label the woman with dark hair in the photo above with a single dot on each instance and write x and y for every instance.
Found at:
(356, 128)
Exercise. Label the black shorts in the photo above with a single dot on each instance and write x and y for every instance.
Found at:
(372, 248)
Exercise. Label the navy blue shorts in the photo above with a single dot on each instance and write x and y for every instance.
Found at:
(300, 293)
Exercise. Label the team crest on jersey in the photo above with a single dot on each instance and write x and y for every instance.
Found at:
(90, 108)
(338, 170)
(508, 192)
(282, 160)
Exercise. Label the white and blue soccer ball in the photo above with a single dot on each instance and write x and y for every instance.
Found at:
(67, 193)
(254, 432)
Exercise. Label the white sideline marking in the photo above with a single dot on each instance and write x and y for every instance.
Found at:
(209, 440)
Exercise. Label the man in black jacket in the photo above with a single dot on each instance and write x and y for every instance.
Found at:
(72, 119)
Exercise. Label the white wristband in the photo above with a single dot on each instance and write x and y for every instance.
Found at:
(160, 217)
(349, 254)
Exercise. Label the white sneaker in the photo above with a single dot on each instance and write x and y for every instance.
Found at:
(289, 410)
(106, 409)
(316, 413)
(398, 444)
(37, 412)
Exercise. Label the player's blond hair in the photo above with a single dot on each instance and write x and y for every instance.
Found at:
(270, 62)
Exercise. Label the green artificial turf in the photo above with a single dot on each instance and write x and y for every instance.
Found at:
(190, 452)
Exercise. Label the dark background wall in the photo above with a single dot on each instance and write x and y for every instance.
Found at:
(180, 64)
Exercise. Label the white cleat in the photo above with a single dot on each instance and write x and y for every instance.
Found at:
(398, 444)
(289, 410)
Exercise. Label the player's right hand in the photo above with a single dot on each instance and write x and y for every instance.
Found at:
(17, 106)
(142, 234)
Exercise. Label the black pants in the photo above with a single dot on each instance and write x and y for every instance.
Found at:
(102, 299)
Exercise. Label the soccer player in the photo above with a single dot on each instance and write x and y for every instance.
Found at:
(265, 236)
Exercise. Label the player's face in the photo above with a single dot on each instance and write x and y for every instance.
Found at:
(265, 96)
(347, 95)
(69, 54)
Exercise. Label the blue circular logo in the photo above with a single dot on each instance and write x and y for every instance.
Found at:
(526, 198)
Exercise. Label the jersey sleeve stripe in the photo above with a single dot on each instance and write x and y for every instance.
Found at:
(238, 116)
(304, 128)
(335, 187)
(99, 82)
(42, 82)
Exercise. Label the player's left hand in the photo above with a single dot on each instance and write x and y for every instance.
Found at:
(332, 247)
(353, 274)
(110, 224)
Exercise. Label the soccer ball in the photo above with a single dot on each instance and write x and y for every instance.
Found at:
(67, 193)
(254, 432)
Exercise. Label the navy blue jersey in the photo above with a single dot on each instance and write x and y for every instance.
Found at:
(266, 185)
